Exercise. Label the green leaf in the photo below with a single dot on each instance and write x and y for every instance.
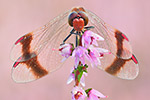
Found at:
(87, 91)
(80, 75)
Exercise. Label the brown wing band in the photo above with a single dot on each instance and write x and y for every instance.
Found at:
(119, 39)
(33, 63)
(115, 67)
(36, 69)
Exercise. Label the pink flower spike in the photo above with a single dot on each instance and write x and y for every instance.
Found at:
(97, 37)
(86, 38)
(94, 55)
(94, 59)
(101, 50)
(72, 78)
(65, 50)
(82, 81)
(78, 93)
(80, 53)
(95, 95)
(90, 38)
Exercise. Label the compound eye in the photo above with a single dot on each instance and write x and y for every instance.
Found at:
(71, 17)
(84, 16)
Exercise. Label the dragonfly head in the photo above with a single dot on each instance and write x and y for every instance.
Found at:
(78, 18)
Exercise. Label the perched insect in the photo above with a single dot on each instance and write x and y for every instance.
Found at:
(35, 57)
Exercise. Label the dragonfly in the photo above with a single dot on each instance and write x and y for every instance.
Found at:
(34, 53)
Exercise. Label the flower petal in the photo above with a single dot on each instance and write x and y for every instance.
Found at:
(97, 93)
(95, 43)
(101, 50)
(71, 78)
(65, 50)
(78, 93)
(82, 81)
(92, 97)
(97, 37)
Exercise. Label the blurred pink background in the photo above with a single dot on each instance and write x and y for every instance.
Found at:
(18, 17)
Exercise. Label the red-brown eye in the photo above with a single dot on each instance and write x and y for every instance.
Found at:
(71, 17)
(84, 16)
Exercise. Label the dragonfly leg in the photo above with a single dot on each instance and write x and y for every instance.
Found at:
(72, 32)
(88, 27)
(76, 40)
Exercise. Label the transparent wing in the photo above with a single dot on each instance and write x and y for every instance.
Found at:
(115, 41)
(36, 40)
(121, 62)
(122, 68)
(43, 56)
